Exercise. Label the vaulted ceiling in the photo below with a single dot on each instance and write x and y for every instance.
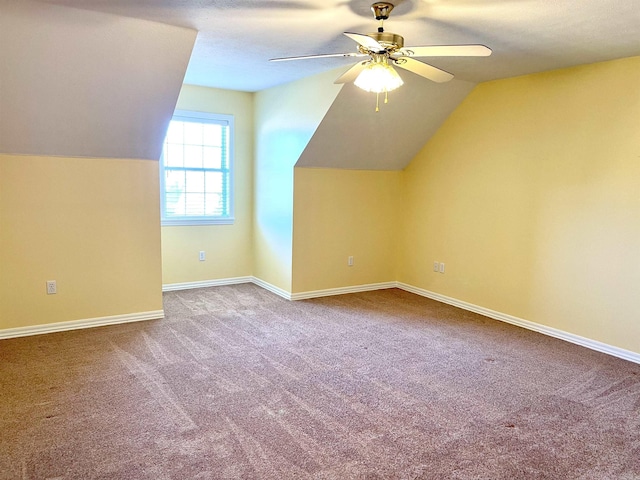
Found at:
(236, 38)
(86, 84)
(353, 136)
(101, 77)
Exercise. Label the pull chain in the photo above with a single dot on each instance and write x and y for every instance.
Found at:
(386, 99)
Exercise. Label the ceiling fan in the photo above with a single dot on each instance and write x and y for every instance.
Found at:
(385, 50)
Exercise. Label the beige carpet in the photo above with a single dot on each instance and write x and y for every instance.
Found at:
(239, 383)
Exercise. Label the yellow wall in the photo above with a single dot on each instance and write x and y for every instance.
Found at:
(342, 213)
(90, 224)
(228, 247)
(529, 194)
(286, 117)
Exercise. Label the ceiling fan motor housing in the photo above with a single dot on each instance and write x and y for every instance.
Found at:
(391, 41)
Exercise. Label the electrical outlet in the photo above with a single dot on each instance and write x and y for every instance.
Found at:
(51, 287)
(202, 256)
(441, 268)
(350, 261)
(436, 266)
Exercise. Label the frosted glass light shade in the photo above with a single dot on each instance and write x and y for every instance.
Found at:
(378, 77)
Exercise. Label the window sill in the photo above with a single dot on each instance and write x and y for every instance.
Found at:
(182, 222)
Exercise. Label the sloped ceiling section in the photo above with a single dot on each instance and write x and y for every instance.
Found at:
(87, 84)
(353, 136)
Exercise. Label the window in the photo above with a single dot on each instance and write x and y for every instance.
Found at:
(196, 170)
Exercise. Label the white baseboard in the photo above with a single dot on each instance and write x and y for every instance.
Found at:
(170, 287)
(343, 290)
(277, 290)
(272, 288)
(321, 293)
(536, 327)
(78, 324)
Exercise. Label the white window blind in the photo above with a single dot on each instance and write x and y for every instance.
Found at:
(196, 169)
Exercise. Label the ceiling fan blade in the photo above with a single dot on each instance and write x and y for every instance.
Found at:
(351, 74)
(323, 55)
(365, 41)
(423, 69)
(446, 51)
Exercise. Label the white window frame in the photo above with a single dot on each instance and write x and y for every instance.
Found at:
(201, 117)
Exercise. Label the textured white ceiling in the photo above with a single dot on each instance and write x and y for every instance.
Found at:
(237, 37)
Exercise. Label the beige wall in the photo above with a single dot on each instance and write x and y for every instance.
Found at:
(228, 247)
(342, 213)
(286, 118)
(90, 224)
(529, 194)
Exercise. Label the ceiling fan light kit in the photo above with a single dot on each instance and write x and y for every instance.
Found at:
(386, 50)
(378, 77)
